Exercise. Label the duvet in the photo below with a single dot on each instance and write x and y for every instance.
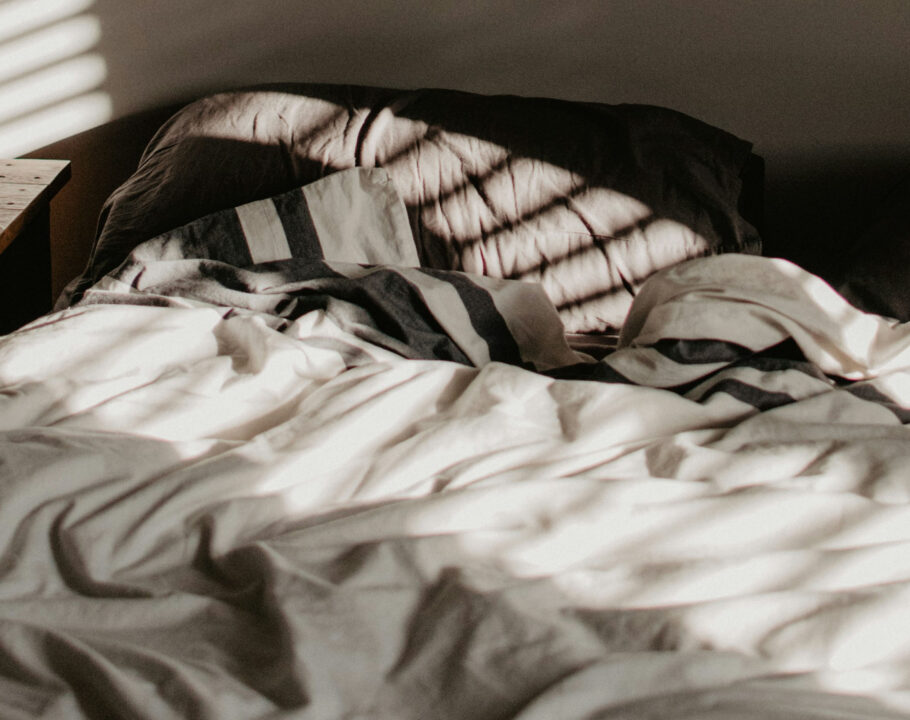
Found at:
(311, 488)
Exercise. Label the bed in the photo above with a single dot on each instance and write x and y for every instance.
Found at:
(374, 403)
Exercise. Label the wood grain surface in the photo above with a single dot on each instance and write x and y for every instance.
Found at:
(25, 187)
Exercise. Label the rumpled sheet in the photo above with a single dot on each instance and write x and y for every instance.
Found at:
(207, 514)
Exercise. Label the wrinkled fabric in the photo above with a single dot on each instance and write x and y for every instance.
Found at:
(204, 516)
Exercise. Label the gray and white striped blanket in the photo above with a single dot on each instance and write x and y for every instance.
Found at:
(283, 258)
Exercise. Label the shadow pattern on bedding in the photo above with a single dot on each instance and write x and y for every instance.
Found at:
(300, 522)
(587, 199)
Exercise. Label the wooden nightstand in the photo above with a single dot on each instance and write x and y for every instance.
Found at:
(26, 189)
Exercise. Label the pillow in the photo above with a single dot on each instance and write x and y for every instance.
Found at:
(877, 273)
(353, 216)
(587, 199)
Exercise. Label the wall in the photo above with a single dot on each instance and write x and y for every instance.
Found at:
(820, 86)
(787, 73)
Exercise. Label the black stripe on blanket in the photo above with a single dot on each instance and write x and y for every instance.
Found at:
(303, 241)
(782, 357)
(697, 352)
(214, 237)
(773, 364)
(864, 391)
(484, 315)
(599, 372)
(291, 272)
(749, 394)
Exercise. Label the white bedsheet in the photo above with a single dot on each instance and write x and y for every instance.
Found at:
(203, 517)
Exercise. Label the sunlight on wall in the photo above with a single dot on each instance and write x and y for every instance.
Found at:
(49, 76)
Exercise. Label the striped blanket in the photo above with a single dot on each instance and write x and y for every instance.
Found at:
(266, 482)
(759, 331)
(282, 258)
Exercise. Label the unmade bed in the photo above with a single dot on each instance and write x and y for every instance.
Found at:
(423, 404)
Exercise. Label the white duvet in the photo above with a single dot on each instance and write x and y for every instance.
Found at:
(202, 517)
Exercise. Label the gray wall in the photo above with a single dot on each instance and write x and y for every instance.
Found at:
(790, 74)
